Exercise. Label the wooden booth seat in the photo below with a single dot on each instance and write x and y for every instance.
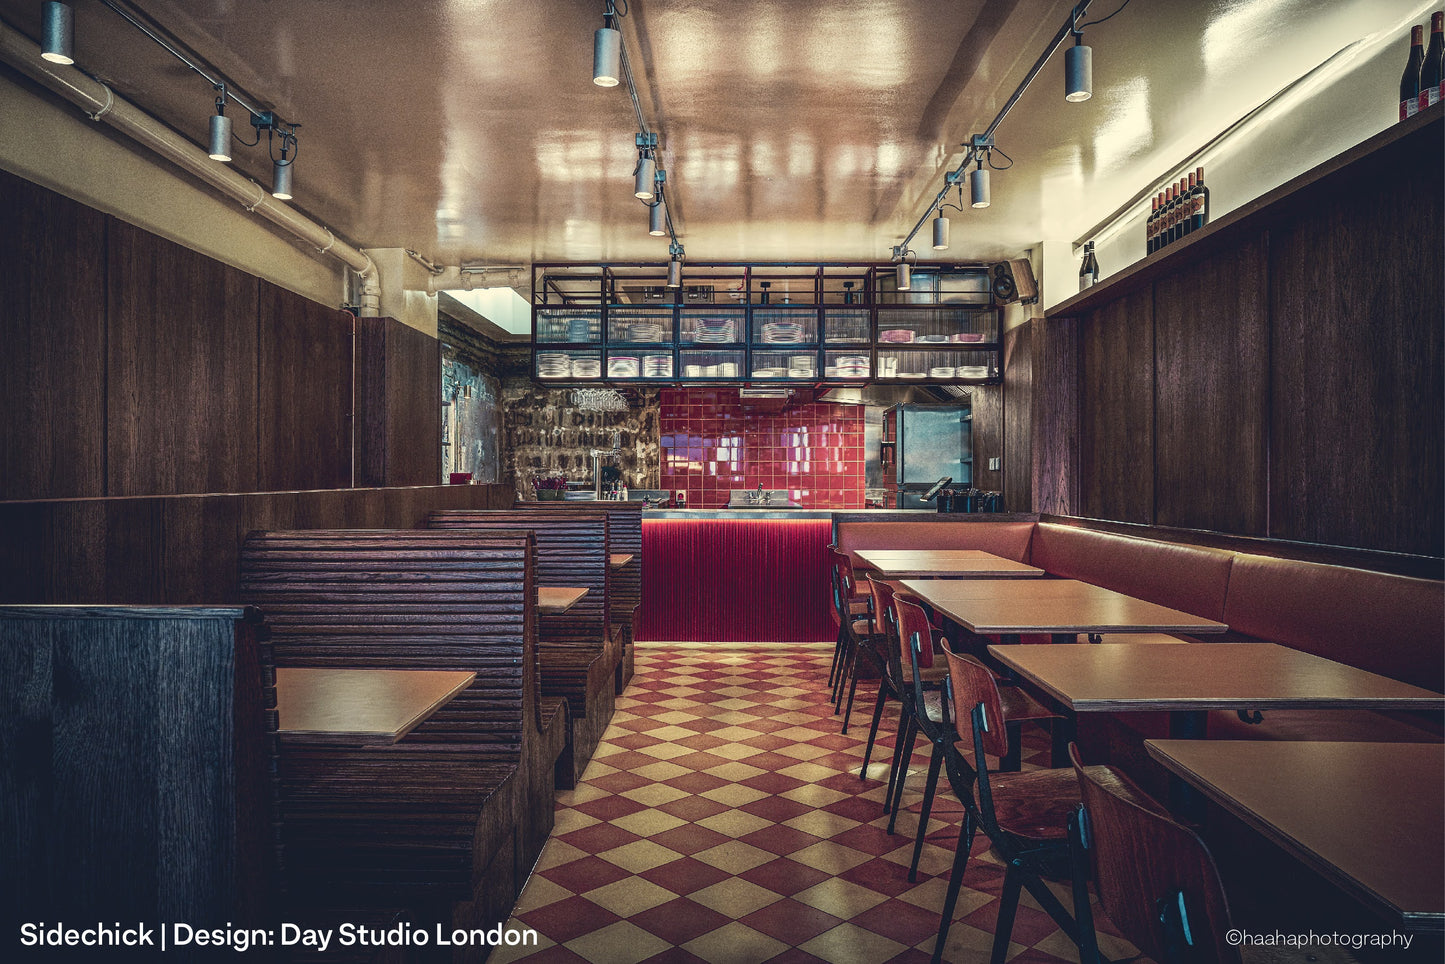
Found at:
(448, 820)
(577, 654)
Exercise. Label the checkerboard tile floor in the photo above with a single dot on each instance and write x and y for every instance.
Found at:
(723, 820)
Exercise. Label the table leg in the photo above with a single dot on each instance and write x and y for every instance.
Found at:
(1063, 638)
(1184, 800)
(1063, 730)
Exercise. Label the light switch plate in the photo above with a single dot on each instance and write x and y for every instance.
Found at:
(993, 464)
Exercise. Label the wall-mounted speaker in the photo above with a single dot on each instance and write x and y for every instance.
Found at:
(1014, 281)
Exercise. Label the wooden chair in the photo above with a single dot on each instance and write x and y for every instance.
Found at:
(855, 607)
(1025, 815)
(1155, 878)
(857, 641)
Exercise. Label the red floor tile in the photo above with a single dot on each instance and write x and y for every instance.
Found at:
(784, 876)
(690, 838)
(679, 921)
(684, 876)
(565, 919)
(791, 922)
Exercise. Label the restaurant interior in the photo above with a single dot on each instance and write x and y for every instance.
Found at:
(639, 481)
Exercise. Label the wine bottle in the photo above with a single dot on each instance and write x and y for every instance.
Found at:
(1149, 226)
(1166, 217)
(1410, 79)
(1199, 209)
(1188, 219)
(1434, 65)
(1183, 196)
(1089, 270)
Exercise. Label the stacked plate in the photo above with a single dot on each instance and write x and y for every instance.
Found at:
(852, 366)
(586, 368)
(622, 366)
(714, 331)
(554, 364)
(769, 372)
(932, 339)
(645, 332)
(782, 333)
(941, 371)
(900, 336)
(579, 329)
(972, 371)
(657, 366)
(968, 336)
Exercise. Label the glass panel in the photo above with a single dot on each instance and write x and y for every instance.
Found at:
(713, 326)
(569, 365)
(769, 364)
(845, 325)
(915, 326)
(943, 364)
(568, 325)
(639, 325)
(639, 364)
(776, 325)
(846, 364)
(711, 364)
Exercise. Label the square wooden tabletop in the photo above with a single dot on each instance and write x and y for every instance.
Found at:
(1123, 677)
(1368, 816)
(901, 563)
(1052, 606)
(555, 600)
(360, 707)
(619, 559)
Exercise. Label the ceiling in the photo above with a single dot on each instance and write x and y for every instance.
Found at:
(469, 130)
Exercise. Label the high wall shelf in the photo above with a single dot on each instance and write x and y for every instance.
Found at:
(763, 324)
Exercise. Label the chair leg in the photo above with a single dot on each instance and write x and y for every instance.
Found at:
(873, 729)
(1008, 905)
(934, 763)
(837, 655)
(852, 690)
(1013, 760)
(1052, 907)
(850, 655)
(1083, 911)
(904, 759)
(955, 882)
(905, 717)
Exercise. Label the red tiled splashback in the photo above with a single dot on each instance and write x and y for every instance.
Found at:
(711, 445)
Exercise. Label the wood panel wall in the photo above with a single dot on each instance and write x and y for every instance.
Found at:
(398, 412)
(52, 327)
(1018, 397)
(184, 550)
(137, 366)
(1280, 375)
(988, 436)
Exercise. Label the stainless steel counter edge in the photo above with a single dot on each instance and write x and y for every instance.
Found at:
(838, 515)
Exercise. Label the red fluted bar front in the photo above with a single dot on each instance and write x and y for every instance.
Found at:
(734, 580)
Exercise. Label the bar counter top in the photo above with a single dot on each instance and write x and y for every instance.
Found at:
(849, 515)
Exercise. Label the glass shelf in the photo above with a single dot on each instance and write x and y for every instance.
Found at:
(569, 325)
(573, 365)
(925, 362)
(628, 324)
(712, 364)
(785, 364)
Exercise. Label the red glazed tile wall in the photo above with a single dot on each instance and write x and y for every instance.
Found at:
(711, 445)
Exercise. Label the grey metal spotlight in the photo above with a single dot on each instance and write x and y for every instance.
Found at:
(905, 276)
(656, 219)
(1078, 73)
(57, 33)
(220, 149)
(674, 272)
(281, 179)
(978, 187)
(940, 233)
(606, 56)
(644, 186)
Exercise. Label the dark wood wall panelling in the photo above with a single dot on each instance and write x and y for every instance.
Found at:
(304, 396)
(398, 409)
(1018, 395)
(52, 328)
(184, 550)
(1277, 376)
(181, 369)
(988, 436)
(1355, 295)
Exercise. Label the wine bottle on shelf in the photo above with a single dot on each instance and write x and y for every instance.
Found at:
(1199, 207)
(1410, 79)
(1089, 270)
(1183, 220)
(1166, 212)
(1189, 194)
(1150, 225)
(1434, 65)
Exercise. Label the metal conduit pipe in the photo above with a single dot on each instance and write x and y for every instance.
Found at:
(102, 104)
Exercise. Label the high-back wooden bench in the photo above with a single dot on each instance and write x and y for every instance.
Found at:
(441, 821)
(576, 657)
(624, 538)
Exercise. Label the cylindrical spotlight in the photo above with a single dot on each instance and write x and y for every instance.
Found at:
(220, 137)
(674, 273)
(978, 188)
(1078, 74)
(57, 33)
(281, 180)
(940, 233)
(606, 57)
(657, 220)
(905, 276)
(644, 186)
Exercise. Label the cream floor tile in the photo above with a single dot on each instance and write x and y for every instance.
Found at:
(539, 892)
(830, 857)
(568, 820)
(735, 751)
(665, 751)
(506, 955)
(735, 857)
(672, 733)
(654, 794)
(735, 897)
(639, 855)
(850, 944)
(965, 944)
(661, 770)
(735, 771)
(821, 823)
(934, 860)
(734, 823)
(580, 794)
(800, 734)
(841, 898)
(619, 943)
(805, 751)
(808, 772)
(648, 823)
(813, 796)
(558, 852)
(735, 943)
(629, 896)
(735, 732)
(734, 794)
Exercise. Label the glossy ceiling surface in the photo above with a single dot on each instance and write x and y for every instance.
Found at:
(470, 130)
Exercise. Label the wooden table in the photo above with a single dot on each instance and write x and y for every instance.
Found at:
(360, 707)
(1368, 816)
(555, 600)
(901, 563)
(619, 559)
(1061, 607)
